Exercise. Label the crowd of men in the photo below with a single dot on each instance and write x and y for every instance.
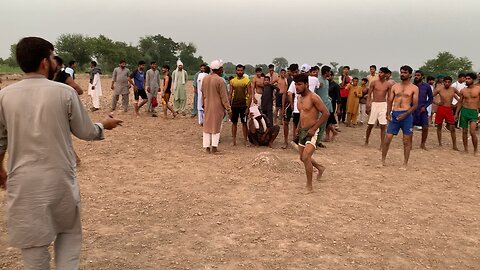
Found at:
(39, 115)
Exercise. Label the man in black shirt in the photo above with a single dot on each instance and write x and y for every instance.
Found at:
(63, 77)
(268, 96)
(261, 132)
(334, 94)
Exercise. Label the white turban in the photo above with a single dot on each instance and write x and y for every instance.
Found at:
(179, 63)
(216, 64)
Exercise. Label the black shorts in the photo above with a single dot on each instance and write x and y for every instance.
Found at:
(289, 114)
(140, 93)
(331, 119)
(239, 112)
(278, 100)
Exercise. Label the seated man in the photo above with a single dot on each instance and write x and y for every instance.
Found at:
(260, 131)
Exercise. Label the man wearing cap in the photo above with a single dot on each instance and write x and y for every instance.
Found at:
(215, 102)
(179, 79)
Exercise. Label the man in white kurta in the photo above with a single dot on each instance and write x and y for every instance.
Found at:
(37, 118)
(95, 86)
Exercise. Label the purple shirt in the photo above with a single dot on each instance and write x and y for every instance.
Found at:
(425, 96)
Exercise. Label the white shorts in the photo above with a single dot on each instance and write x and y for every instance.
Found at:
(378, 112)
(258, 97)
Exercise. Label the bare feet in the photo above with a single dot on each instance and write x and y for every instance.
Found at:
(455, 148)
(309, 189)
(423, 147)
(383, 163)
(208, 150)
(285, 146)
(334, 136)
(320, 172)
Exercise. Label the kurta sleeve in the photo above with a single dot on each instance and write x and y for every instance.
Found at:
(147, 79)
(80, 124)
(3, 134)
(114, 75)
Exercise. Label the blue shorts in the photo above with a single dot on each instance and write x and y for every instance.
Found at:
(406, 124)
(420, 118)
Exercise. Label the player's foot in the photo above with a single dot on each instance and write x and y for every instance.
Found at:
(423, 147)
(320, 172)
(285, 146)
(383, 163)
(208, 150)
(455, 148)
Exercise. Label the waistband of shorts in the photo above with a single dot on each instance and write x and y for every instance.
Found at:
(379, 102)
(469, 110)
(395, 112)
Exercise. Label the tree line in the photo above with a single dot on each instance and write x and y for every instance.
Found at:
(164, 50)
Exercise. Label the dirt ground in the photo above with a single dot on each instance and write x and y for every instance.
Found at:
(152, 199)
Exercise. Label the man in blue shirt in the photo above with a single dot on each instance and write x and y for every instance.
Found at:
(137, 79)
(425, 99)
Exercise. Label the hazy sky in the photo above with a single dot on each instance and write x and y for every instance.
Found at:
(352, 32)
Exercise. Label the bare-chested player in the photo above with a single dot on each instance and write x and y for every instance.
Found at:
(309, 105)
(468, 110)
(444, 110)
(257, 86)
(404, 99)
(283, 86)
(377, 104)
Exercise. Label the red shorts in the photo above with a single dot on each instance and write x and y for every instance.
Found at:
(444, 113)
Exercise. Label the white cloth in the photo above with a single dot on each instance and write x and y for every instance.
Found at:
(97, 92)
(459, 87)
(69, 71)
(313, 83)
(179, 63)
(199, 90)
(210, 139)
(216, 64)
(174, 77)
(378, 112)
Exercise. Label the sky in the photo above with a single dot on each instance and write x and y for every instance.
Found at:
(357, 33)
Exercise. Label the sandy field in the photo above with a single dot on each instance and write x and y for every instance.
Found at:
(152, 199)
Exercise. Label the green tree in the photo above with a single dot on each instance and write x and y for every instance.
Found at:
(334, 65)
(264, 67)
(186, 54)
(74, 47)
(280, 62)
(229, 68)
(12, 60)
(447, 64)
(160, 49)
(249, 69)
(319, 64)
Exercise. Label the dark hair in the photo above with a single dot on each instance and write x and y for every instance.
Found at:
(303, 77)
(373, 66)
(325, 69)
(314, 68)
(332, 73)
(262, 75)
(267, 77)
(448, 78)
(207, 69)
(166, 67)
(384, 69)
(240, 66)
(31, 51)
(271, 66)
(283, 70)
(122, 61)
(141, 62)
(258, 69)
(71, 63)
(355, 78)
(471, 75)
(293, 67)
(420, 72)
(58, 59)
(94, 63)
(153, 62)
(231, 78)
(461, 74)
(407, 68)
(203, 65)
(346, 67)
(364, 80)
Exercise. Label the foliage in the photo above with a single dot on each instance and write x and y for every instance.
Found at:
(447, 64)
(280, 62)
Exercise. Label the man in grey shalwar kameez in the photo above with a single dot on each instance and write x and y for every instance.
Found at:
(37, 118)
(120, 85)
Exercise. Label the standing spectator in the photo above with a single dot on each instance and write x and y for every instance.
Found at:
(179, 79)
(120, 85)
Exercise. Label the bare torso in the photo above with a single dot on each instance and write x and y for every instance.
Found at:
(258, 84)
(403, 96)
(282, 85)
(446, 96)
(308, 111)
(380, 90)
(471, 97)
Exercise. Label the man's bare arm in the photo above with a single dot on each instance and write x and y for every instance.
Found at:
(391, 97)
(74, 85)
(250, 95)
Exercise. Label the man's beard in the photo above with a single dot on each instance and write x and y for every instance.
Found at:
(406, 78)
(51, 70)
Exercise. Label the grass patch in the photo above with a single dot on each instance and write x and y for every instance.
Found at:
(6, 69)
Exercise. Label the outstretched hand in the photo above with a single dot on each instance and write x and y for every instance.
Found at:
(111, 123)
